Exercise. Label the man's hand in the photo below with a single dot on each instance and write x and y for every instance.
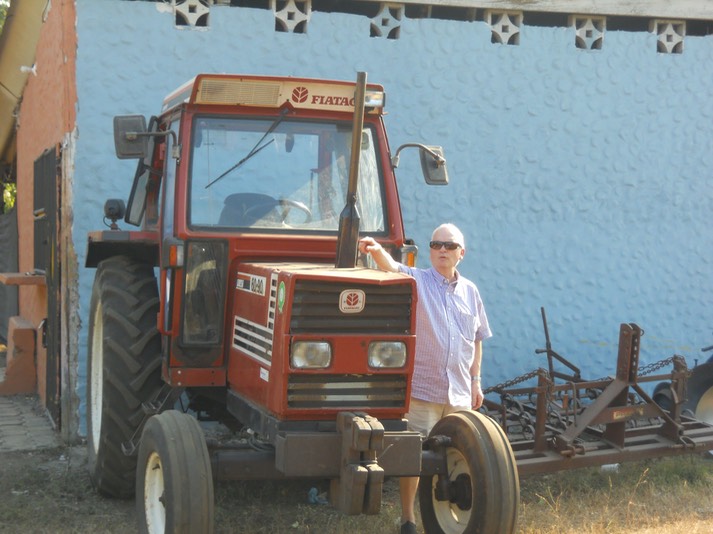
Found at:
(368, 245)
(476, 395)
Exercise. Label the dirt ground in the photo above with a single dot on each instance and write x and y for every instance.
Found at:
(48, 491)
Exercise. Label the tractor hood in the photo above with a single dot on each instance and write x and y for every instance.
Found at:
(278, 305)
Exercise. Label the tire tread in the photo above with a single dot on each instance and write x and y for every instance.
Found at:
(127, 292)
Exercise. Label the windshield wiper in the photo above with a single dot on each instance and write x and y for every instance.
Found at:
(254, 150)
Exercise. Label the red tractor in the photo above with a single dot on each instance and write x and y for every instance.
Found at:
(241, 299)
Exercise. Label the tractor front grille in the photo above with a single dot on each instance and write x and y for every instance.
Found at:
(346, 391)
(315, 309)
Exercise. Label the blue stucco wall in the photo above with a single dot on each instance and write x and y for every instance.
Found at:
(582, 180)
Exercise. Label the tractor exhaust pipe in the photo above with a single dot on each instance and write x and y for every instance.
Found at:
(348, 238)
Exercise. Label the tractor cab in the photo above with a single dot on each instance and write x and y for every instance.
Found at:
(239, 170)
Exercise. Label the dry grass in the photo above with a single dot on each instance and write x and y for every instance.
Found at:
(668, 496)
(663, 496)
(49, 491)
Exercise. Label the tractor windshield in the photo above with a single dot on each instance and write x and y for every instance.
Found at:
(279, 175)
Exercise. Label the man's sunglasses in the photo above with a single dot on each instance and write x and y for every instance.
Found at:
(449, 245)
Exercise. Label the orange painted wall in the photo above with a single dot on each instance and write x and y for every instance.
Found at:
(47, 114)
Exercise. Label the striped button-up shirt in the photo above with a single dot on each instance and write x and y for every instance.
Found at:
(450, 318)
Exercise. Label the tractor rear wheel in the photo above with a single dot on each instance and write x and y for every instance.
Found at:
(124, 368)
(482, 478)
(174, 485)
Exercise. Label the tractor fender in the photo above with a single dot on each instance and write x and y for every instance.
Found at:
(141, 246)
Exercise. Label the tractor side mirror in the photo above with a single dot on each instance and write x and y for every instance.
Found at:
(433, 165)
(130, 137)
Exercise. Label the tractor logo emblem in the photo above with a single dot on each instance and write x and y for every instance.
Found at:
(281, 296)
(352, 301)
(299, 95)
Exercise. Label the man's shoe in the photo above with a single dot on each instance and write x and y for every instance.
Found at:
(408, 528)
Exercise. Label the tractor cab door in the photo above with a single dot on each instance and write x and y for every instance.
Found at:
(193, 273)
(166, 217)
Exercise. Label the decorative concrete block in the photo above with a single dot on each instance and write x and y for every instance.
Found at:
(191, 13)
(504, 26)
(589, 31)
(388, 22)
(291, 16)
(669, 35)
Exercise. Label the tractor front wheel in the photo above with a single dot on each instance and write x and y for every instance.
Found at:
(174, 485)
(483, 491)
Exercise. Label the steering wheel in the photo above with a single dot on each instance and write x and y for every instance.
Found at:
(260, 210)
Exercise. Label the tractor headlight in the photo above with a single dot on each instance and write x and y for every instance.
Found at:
(311, 354)
(390, 354)
(374, 99)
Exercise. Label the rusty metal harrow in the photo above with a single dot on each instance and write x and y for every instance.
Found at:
(567, 422)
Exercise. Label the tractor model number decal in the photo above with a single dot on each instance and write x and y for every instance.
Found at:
(255, 339)
(352, 301)
(251, 283)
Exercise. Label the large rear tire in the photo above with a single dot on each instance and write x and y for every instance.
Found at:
(123, 368)
(174, 485)
(662, 395)
(700, 393)
(485, 490)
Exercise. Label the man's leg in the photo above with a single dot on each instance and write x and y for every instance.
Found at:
(409, 487)
(421, 417)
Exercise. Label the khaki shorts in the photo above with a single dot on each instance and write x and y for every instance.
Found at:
(423, 415)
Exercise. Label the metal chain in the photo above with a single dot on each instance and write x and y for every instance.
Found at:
(643, 371)
(648, 369)
(516, 380)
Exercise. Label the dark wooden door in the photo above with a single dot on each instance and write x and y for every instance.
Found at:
(46, 190)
